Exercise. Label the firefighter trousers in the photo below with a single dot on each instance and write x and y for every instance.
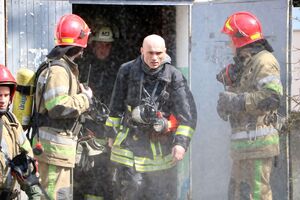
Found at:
(56, 181)
(250, 179)
(129, 184)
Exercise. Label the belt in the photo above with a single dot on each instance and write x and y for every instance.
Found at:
(252, 134)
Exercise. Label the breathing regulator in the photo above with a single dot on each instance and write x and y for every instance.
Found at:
(25, 169)
(148, 114)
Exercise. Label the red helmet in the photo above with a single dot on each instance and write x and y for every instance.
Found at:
(243, 28)
(72, 30)
(7, 79)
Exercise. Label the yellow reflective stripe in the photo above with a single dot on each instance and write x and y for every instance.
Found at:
(113, 121)
(122, 156)
(92, 197)
(122, 152)
(185, 131)
(255, 36)
(159, 146)
(257, 180)
(57, 138)
(275, 87)
(67, 40)
(143, 164)
(227, 24)
(26, 146)
(66, 151)
(120, 137)
(55, 92)
(153, 149)
(257, 143)
(51, 181)
(55, 101)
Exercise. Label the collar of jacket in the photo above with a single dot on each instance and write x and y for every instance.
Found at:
(164, 73)
(58, 52)
(73, 66)
(150, 71)
(244, 54)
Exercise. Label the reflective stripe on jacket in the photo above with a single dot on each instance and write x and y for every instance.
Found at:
(134, 146)
(13, 140)
(59, 102)
(260, 83)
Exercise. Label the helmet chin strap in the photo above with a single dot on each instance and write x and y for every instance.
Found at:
(2, 112)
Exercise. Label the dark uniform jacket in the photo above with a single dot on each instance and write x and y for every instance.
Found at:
(102, 75)
(136, 144)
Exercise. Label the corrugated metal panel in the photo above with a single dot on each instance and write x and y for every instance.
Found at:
(31, 30)
(211, 163)
(134, 2)
(2, 33)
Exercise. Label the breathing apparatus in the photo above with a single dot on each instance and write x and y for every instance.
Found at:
(99, 111)
(25, 169)
(147, 113)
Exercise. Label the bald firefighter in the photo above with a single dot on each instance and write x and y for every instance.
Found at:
(250, 104)
(13, 143)
(60, 101)
(152, 120)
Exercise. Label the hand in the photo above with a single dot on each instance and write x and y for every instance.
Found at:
(110, 142)
(177, 153)
(86, 90)
(221, 112)
(231, 102)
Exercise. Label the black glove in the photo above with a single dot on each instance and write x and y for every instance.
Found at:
(221, 112)
(230, 102)
(228, 75)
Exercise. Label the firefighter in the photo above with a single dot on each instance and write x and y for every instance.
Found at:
(152, 120)
(250, 104)
(103, 62)
(95, 181)
(60, 101)
(13, 141)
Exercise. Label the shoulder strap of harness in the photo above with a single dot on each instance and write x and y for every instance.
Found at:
(10, 117)
(49, 63)
(44, 65)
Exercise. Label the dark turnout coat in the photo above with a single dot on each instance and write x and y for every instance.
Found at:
(136, 145)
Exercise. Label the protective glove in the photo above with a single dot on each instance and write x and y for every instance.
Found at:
(231, 102)
(228, 75)
(87, 91)
(221, 112)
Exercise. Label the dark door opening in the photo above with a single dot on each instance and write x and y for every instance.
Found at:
(130, 24)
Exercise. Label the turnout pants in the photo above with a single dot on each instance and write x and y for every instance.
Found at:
(56, 181)
(250, 179)
(132, 185)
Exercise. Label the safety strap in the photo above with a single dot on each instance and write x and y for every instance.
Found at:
(45, 65)
(10, 117)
